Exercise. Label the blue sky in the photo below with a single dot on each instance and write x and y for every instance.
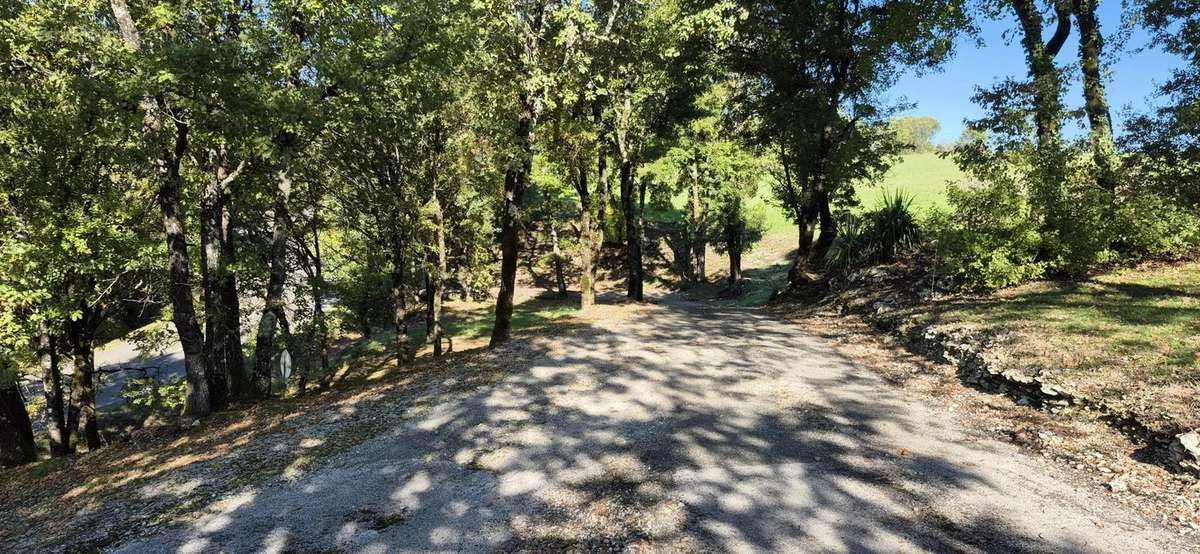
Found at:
(946, 95)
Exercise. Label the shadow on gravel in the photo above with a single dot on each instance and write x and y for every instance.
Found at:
(674, 433)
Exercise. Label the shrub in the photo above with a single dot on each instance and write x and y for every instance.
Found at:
(1150, 226)
(879, 235)
(892, 226)
(850, 248)
(989, 239)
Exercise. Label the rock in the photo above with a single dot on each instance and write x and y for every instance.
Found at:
(1185, 449)
(1117, 485)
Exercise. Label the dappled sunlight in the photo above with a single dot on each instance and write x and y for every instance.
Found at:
(733, 433)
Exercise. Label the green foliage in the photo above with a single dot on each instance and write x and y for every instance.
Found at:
(878, 235)
(989, 238)
(892, 226)
(149, 392)
(916, 132)
(1149, 226)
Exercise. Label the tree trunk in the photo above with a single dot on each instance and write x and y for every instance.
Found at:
(273, 304)
(199, 401)
(735, 269)
(516, 181)
(603, 192)
(588, 241)
(400, 300)
(560, 277)
(697, 221)
(1091, 50)
(318, 293)
(828, 230)
(56, 424)
(212, 266)
(166, 168)
(16, 431)
(633, 235)
(239, 381)
(83, 383)
(1048, 109)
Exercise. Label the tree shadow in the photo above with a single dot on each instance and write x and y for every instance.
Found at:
(687, 427)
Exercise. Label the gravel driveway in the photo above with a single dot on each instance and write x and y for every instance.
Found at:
(672, 427)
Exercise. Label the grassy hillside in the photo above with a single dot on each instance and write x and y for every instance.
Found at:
(923, 176)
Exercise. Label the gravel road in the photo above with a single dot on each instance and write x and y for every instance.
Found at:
(671, 427)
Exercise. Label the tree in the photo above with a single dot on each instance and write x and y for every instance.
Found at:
(653, 65)
(16, 432)
(916, 132)
(528, 41)
(810, 76)
(165, 142)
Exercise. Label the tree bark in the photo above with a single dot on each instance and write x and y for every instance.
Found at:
(588, 241)
(235, 356)
(16, 431)
(516, 182)
(633, 234)
(1091, 50)
(560, 276)
(735, 269)
(56, 423)
(697, 221)
(213, 268)
(828, 227)
(83, 381)
(166, 167)
(1047, 80)
(404, 353)
(318, 293)
(273, 304)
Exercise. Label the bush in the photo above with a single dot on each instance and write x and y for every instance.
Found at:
(850, 248)
(1150, 226)
(879, 235)
(989, 239)
(892, 227)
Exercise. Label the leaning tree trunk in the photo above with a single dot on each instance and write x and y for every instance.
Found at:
(1091, 49)
(404, 353)
(16, 432)
(166, 167)
(273, 305)
(516, 181)
(56, 423)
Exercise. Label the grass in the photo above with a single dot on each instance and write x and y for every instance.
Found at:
(1131, 337)
(467, 323)
(922, 175)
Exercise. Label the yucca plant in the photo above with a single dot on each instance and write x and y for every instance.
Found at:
(851, 246)
(892, 226)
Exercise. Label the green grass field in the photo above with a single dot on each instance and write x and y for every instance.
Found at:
(923, 176)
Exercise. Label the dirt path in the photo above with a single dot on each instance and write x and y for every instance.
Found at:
(665, 428)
